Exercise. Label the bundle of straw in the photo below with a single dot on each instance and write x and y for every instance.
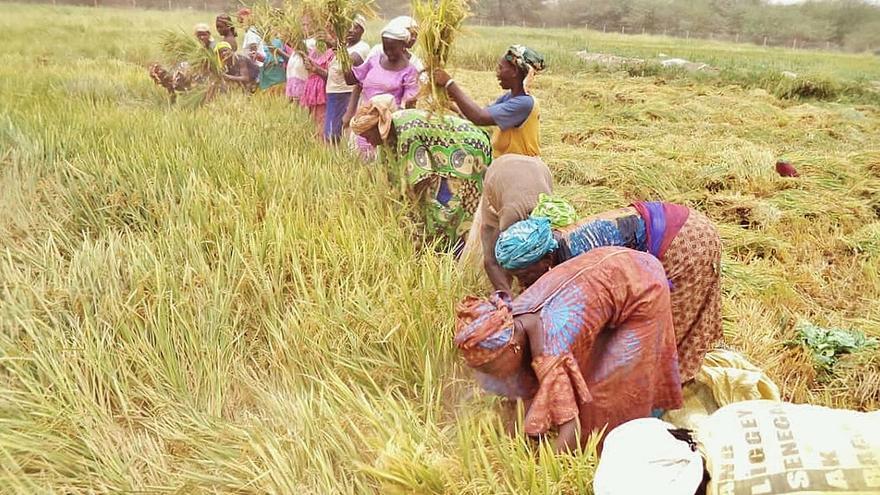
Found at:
(179, 46)
(440, 21)
(204, 68)
(286, 22)
(336, 17)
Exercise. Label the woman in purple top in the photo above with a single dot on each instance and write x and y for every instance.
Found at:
(387, 72)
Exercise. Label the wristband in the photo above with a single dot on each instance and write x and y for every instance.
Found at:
(448, 83)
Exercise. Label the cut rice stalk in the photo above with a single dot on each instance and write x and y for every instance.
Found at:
(440, 21)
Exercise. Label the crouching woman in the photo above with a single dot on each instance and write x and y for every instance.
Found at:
(439, 160)
(589, 345)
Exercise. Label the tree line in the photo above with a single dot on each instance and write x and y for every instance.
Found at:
(849, 24)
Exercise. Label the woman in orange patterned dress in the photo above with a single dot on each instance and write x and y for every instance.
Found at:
(589, 345)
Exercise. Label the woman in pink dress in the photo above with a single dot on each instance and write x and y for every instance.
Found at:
(386, 72)
(314, 96)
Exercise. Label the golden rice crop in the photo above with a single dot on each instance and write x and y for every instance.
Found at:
(440, 23)
(337, 17)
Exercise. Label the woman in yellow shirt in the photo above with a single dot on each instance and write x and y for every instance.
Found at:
(516, 112)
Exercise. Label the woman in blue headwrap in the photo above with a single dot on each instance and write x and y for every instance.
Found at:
(683, 239)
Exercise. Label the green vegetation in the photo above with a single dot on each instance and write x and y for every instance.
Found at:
(208, 301)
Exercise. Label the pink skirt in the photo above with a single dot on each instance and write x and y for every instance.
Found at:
(314, 93)
(295, 87)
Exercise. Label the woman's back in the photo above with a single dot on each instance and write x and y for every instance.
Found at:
(608, 310)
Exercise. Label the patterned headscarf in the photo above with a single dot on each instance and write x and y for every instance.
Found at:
(559, 211)
(483, 328)
(220, 46)
(524, 243)
(524, 58)
(377, 112)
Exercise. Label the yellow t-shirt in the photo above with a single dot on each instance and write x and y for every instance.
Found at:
(522, 140)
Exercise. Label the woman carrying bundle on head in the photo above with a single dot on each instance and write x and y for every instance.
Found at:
(683, 239)
(387, 73)
(439, 160)
(590, 345)
(516, 112)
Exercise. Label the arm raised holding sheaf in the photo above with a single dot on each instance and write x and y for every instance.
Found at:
(472, 110)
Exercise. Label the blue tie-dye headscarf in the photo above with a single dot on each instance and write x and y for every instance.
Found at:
(524, 243)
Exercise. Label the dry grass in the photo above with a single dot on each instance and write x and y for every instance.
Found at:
(204, 301)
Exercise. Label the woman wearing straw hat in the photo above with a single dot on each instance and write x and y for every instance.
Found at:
(439, 161)
(516, 112)
(683, 239)
(589, 346)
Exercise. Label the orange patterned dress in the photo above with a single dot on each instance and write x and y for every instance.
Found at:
(609, 346)
(688, 245)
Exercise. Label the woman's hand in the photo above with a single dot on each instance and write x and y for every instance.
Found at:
(309, 65)
(441, 77)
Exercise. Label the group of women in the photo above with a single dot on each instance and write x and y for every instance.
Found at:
(615, 312)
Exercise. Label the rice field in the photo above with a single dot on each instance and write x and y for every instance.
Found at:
(206, 301)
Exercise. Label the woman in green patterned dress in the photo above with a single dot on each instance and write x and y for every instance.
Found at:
(438, 159)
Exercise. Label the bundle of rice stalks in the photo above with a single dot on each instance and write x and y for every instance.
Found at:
(268, 19)
(180, 47)
(440, 22)
(200, 69)
(336, 17)
(288, 22)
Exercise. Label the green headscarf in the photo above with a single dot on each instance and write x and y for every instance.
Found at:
(524, 58)
(559, 211)
(217, 48)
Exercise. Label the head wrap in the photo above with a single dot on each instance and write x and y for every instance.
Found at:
(483, 328)
(243, 12)
(641, 455)
(220, 46)
(360, 20)
(402, 28)
(375, 113)
(201, 28)
(526, 60)
(524, 243)
(559, 211)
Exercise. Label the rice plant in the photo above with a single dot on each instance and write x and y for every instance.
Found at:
(440, 23)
